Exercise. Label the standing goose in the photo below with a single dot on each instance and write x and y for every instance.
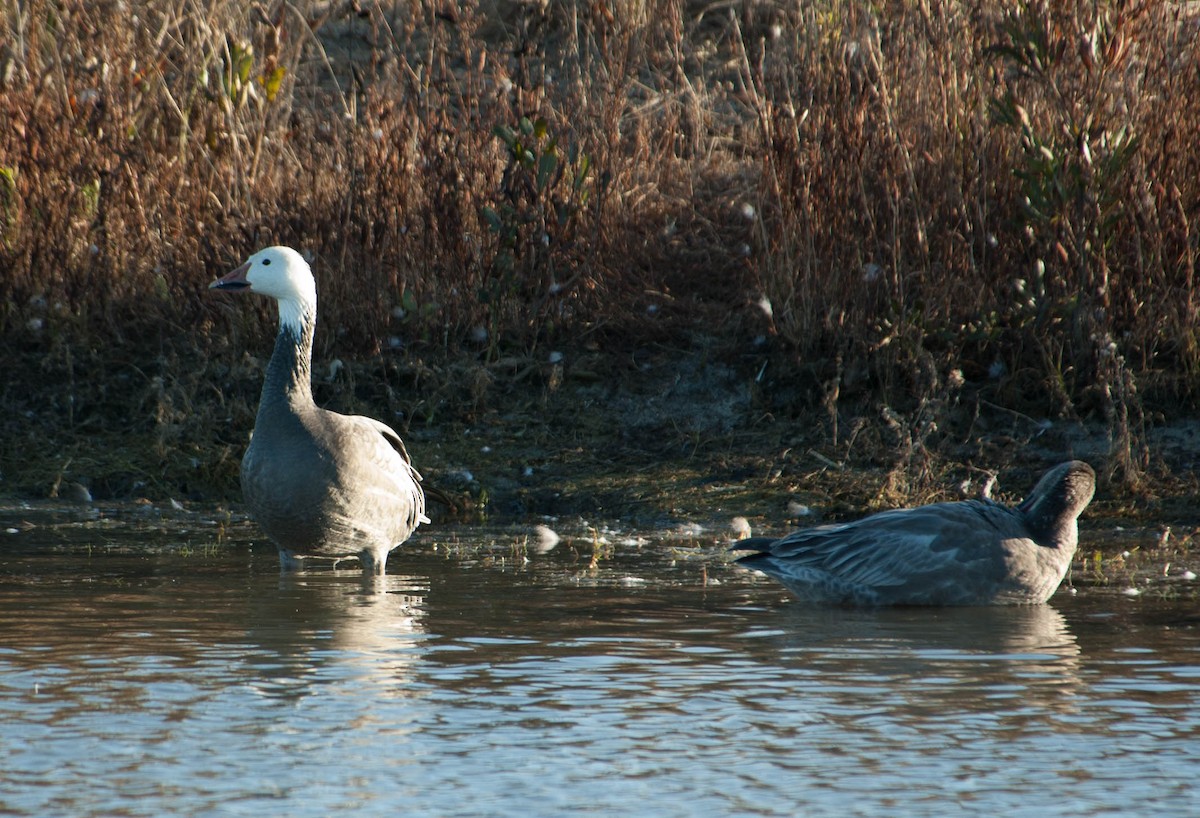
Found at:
(319, 483)
(974, 552)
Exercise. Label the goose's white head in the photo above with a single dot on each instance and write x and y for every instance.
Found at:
(284, 275)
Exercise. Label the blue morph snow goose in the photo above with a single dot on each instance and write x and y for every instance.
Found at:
(974, 552)
(320, 484)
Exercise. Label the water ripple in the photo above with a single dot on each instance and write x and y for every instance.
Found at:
(150, 685)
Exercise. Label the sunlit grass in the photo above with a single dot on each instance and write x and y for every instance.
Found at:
(891, 217)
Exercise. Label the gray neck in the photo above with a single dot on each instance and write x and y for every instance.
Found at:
(1046, 509)
(289, 374)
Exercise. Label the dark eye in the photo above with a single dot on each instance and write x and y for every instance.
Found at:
(266, 261)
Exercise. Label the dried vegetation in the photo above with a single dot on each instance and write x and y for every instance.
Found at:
(900, 225)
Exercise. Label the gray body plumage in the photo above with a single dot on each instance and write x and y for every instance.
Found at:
(319, 483)
(975, 552)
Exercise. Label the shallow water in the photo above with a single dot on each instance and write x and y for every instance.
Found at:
(145, 673)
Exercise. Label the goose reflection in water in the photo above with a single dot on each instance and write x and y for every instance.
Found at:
(928, 663)
(337, 628)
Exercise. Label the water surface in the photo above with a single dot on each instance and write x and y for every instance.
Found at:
(146, 670)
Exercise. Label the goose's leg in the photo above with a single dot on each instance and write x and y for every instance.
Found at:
(288, 562)
(372, 562)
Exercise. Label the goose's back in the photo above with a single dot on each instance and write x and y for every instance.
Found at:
(964, 553)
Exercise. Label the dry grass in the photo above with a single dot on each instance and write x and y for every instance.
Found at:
(945, 205)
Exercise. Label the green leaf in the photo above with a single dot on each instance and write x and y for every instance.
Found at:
(493, 219)
(539, 128)
(585, 164)
(272, 81)
(526, 126)
(90, 193)
(244, 61)
(545, 169)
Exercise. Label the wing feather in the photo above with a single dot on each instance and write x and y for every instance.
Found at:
(393, 473)
(892, 547)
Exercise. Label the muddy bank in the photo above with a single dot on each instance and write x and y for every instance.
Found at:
(687, 434)
(656, 434)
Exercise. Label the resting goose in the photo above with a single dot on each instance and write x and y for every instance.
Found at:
(974, 552)
(320, 484)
